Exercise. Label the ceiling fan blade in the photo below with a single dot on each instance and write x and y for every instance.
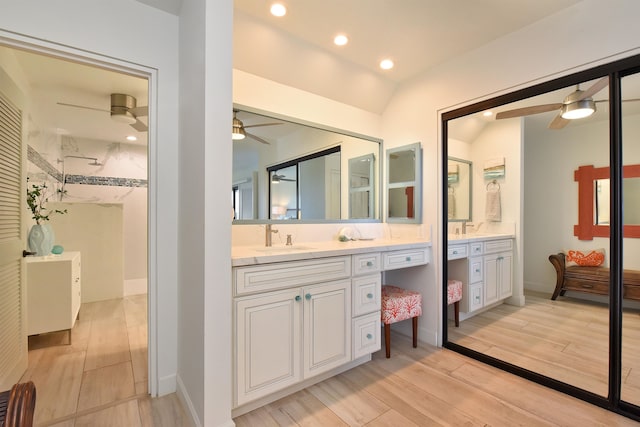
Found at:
(83, 106)
(526, 111)
(595, 88)
(257, 138)
(140, 111)
(558, 122)
(139, 126)
(261, 124)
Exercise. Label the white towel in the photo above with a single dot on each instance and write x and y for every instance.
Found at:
(493, 208)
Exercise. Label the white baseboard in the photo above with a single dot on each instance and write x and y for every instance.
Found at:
(187, 403)
(135, 286)
(167, 385)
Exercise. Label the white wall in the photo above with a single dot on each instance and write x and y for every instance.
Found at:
(155, 47)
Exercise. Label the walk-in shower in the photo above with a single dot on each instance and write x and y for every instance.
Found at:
(62, 190)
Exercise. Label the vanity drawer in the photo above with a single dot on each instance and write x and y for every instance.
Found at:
(280, 275)
(457, 252)
(366, 335)
(404, 258)
(476, 248)
(498, 245)
(366, 263)
(365, 297)
(475, 269)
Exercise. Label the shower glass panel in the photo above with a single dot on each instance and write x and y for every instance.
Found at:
(566, 338)
(630, 375)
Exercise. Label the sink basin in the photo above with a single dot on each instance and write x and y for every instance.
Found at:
(292, 248)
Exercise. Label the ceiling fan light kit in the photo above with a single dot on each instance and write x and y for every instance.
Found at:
(237, 130)
(578, 109)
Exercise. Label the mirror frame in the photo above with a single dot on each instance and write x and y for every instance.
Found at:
(378, 186)
(470, 163)
(417, 184)
(586, 176)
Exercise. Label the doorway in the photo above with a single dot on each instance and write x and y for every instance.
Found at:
(78, 166)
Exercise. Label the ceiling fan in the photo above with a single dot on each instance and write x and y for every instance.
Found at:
(238, 131)
(275, 178)
(577, 105)
(123, 109)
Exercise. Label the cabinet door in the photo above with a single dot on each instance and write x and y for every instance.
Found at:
(327, 326)
(492, 279)
(506, 277)
(267, 343)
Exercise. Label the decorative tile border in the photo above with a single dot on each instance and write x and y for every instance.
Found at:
(105, 180)
(34, 157)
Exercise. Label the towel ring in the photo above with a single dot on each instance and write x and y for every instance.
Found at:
(495, 183)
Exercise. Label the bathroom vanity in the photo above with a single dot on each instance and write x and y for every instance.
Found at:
(303, 314)
(484, 264)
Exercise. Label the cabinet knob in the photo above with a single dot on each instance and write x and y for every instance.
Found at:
(369, 295)
(408, 258)
(369, 336)
(369, 263)
(298, 298)
(477, 270)
(307, 297)
(455, 252)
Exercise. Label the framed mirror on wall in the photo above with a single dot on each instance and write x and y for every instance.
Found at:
(459, 186)
(272, 142)
(404, 184)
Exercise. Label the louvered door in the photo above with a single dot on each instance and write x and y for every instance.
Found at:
(13, 336)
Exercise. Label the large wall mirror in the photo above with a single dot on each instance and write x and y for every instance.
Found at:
(404, 178)
(458, 190)
(293, 171)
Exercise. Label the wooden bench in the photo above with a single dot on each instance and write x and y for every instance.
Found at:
(592, 280)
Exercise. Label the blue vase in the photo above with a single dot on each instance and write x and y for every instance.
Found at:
(41, 239)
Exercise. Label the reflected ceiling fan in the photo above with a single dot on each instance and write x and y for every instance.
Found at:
(275, 178)
(577, 105)
(123, 109)
(239, 132)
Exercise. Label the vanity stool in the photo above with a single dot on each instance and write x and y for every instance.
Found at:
(454, 295)
(399, 304)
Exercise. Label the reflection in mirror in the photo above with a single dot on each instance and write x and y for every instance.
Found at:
(630, 195)
(403, 184)
(506, 311)
(361, 187)
(272, 140)
(458, 190)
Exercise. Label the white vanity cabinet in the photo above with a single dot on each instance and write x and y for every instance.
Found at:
(486, 270)
(53, 292)
(285, 336)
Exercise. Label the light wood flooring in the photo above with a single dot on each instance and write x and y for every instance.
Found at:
(566, 339)
(101, 378)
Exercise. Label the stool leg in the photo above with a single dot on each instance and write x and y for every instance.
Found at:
(456, 310)
(415, 332)
(387, 339)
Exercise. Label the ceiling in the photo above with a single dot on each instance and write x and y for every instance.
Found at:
(297, 50)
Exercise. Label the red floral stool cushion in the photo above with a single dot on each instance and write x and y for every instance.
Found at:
(454, 295)
(399, 304)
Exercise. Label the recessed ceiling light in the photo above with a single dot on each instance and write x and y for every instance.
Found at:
(488, 113)
(341, 40)
(386, 64)
(278, 9)
(131, 138)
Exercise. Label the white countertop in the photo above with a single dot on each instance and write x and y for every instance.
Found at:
(455, 239)
(252, 255)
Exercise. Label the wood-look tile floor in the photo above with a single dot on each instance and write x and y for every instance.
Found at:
(101, 378)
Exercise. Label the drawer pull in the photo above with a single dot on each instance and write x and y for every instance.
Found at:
(369, 263)
(408, 259)
(584, 285)
(369, 336)
(455, 252)
(477, 270)
(298, 298)
(369, 295)
(307, 297)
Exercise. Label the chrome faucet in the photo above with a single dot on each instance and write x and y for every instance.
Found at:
(267, 234)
